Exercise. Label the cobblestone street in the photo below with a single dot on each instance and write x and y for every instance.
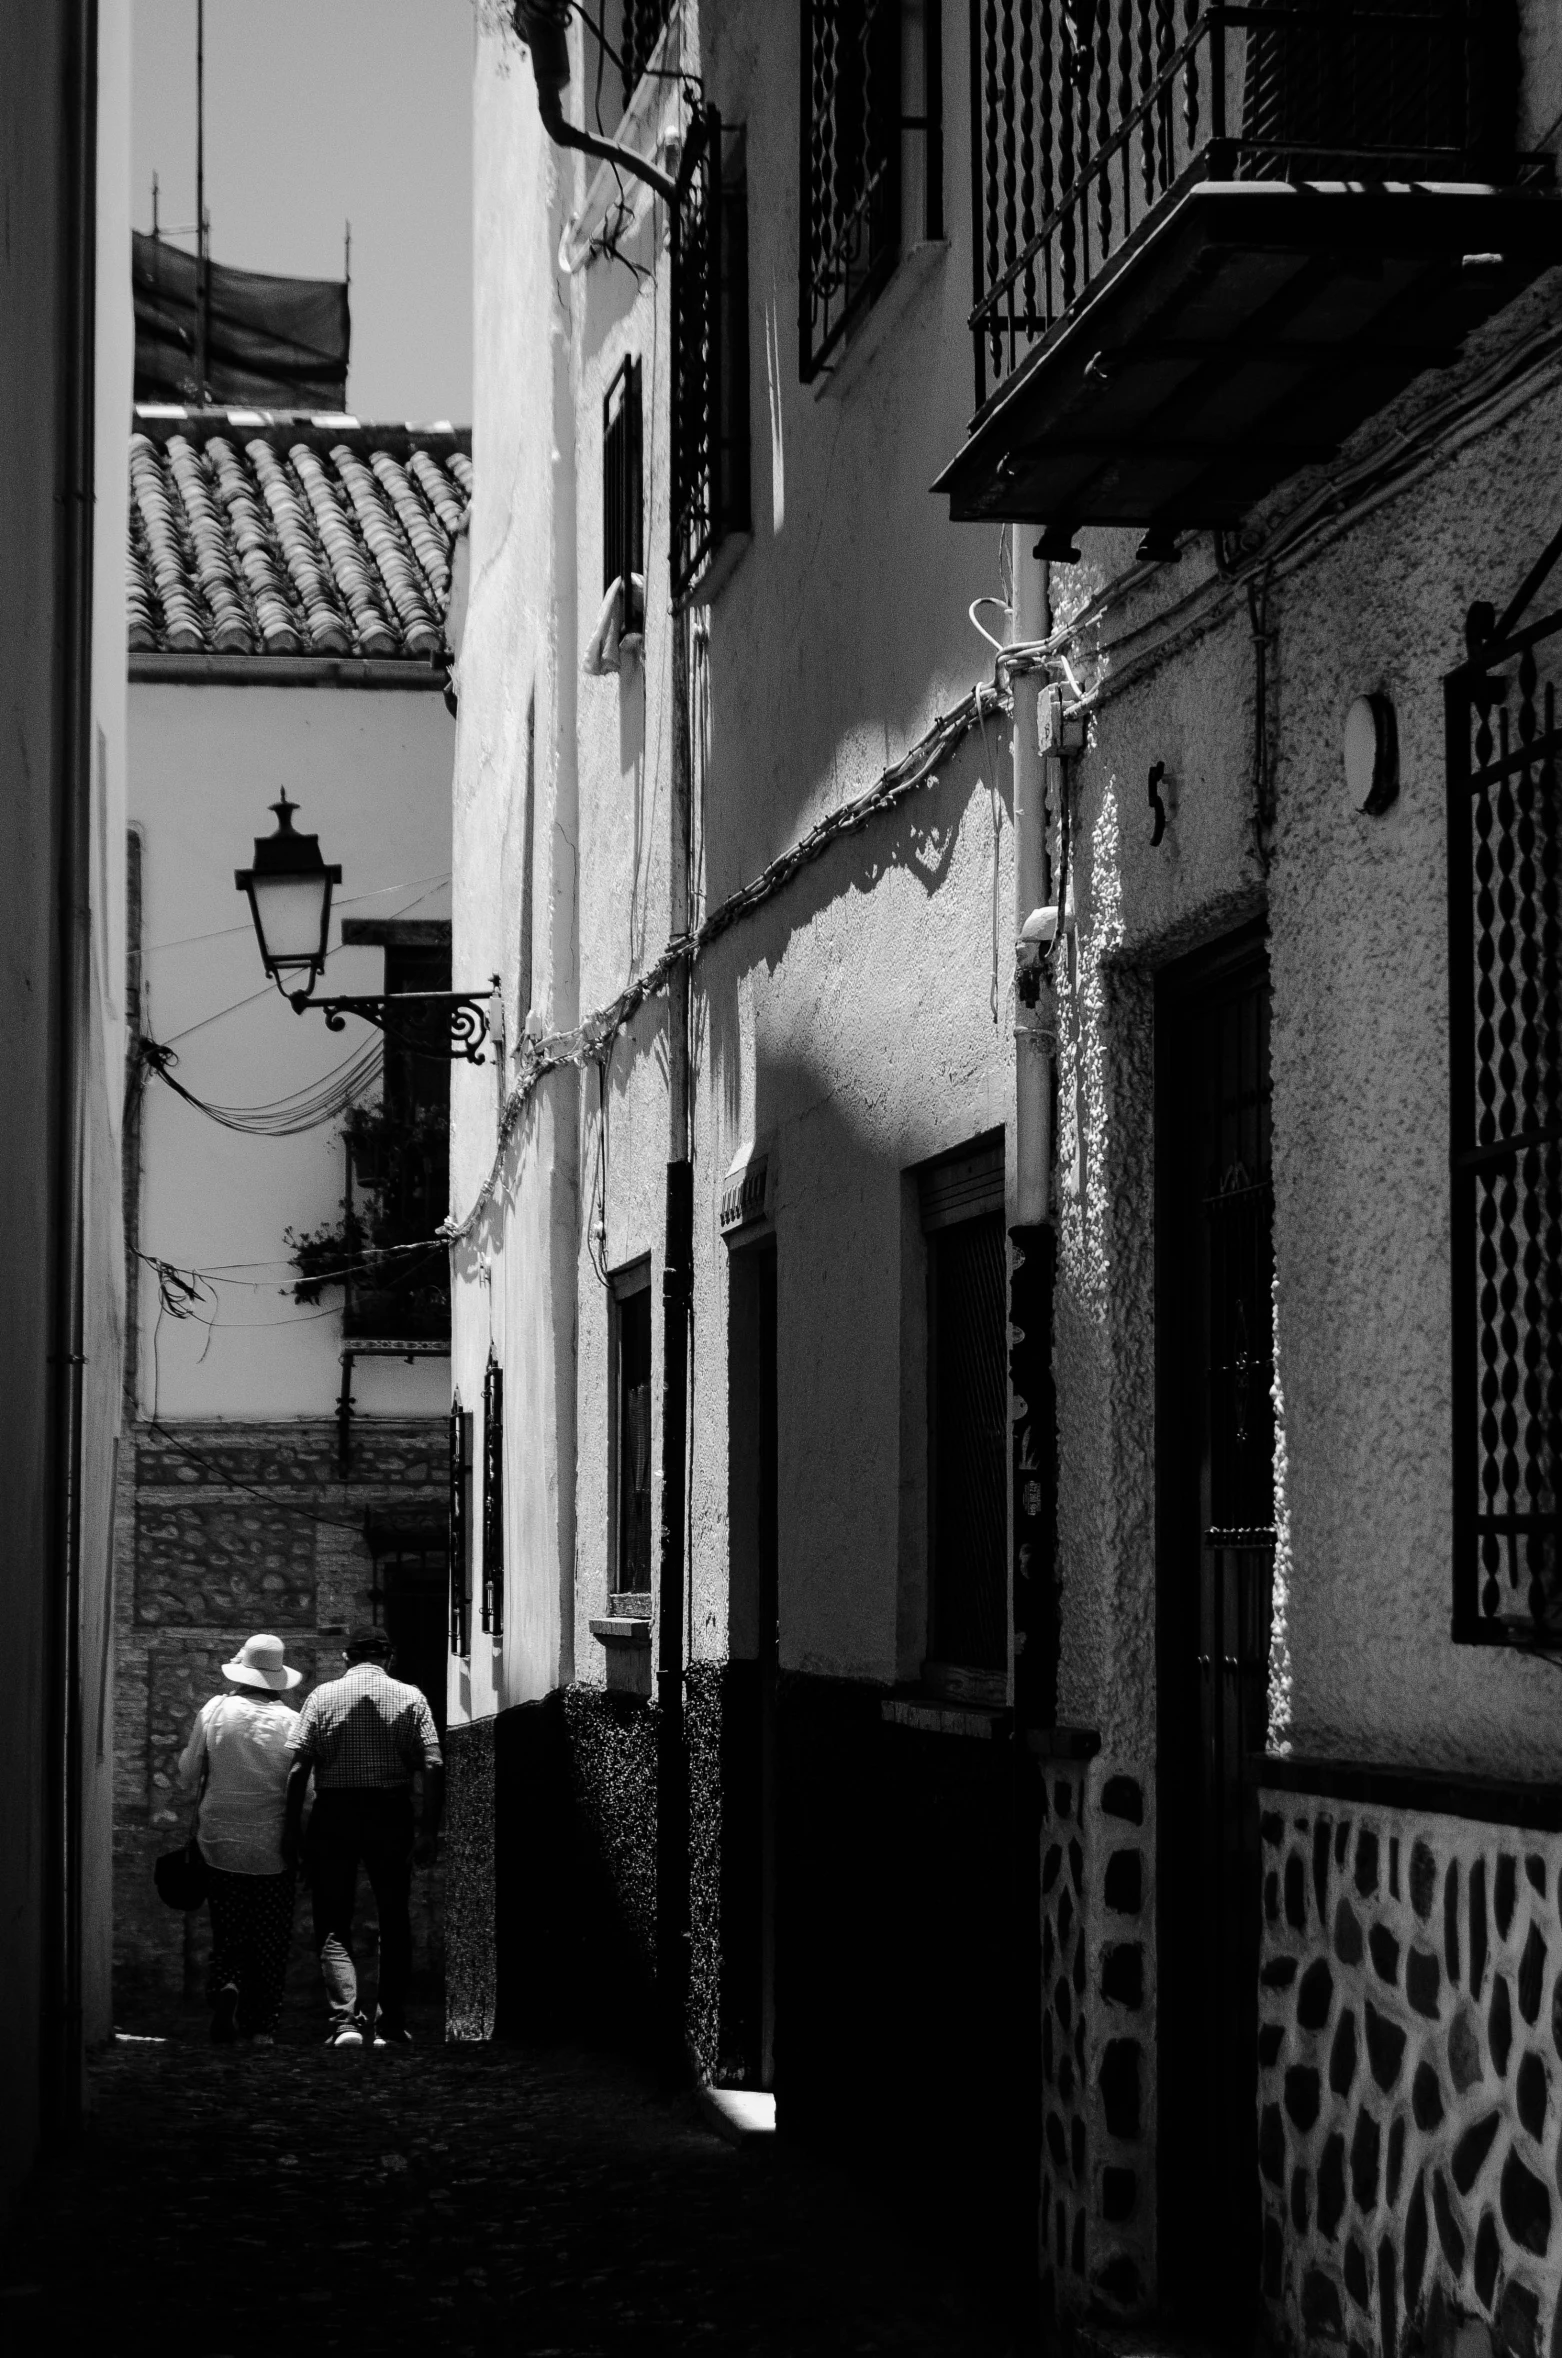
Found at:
(454, 2199)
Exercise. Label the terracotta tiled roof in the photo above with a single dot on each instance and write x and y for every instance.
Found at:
(262, 533)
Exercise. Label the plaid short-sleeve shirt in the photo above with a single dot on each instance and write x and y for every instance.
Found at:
(366, 1729)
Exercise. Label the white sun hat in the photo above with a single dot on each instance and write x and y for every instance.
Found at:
(259, 1663)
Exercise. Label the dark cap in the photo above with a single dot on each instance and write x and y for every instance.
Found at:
(366, 1643)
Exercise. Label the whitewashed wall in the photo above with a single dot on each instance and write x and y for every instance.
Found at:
(370, 771)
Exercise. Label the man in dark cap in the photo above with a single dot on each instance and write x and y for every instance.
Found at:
(363, 1737)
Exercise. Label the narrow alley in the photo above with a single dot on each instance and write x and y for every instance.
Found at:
(450, 2199)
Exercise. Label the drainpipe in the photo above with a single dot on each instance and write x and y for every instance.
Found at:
(1035, 1044)
(71, 794)
(672, 1795)
(1033, 1439)
(544, 27)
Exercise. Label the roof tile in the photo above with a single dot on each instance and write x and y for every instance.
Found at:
(309, 536)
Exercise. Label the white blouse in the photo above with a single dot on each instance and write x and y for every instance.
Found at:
(242, 1742)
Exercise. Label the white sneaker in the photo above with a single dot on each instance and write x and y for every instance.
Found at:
(348, 2036)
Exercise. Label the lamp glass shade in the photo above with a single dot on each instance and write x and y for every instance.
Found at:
(291, 917)
(289, 890)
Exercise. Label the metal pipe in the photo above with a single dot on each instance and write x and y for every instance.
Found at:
(543, 26)
(672, 1800)
(61, 2058)
(1035, 1026)
(202, 282)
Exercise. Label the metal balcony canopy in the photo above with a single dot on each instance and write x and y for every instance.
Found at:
(1202, 262)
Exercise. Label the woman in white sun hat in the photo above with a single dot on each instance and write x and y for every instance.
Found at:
(238, 1759)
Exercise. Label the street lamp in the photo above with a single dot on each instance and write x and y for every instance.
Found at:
(289, 891)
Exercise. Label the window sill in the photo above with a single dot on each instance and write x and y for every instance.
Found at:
(707, 587)
(917, 267)
(930, 1717)
(622, 1629)
(625, 1639)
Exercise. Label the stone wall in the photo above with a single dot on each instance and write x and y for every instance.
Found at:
(1410, 2031)
(1097, 2222)
(223, 1530)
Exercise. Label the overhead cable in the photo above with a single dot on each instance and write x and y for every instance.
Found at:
(309, 1108)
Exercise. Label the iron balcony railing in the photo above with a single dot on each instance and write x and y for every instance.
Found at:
(1088, 115)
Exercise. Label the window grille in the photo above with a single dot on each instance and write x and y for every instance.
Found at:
(1085, 115)
(1505, 1135)
(632, 1324)
(855, 57)
(623, 494)
(493, 1498)
(640, 29)
(459, 1542)
(710, 447)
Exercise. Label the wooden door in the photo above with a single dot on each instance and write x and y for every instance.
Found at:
(1215, 1464)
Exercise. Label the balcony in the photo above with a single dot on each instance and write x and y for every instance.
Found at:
(1204, 255)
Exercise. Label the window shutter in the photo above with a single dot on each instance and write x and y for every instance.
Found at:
(460, 1493)
(963, 1186)
(493, 1498)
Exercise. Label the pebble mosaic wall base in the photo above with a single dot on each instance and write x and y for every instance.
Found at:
(1409, 2043)
(1097, 2051)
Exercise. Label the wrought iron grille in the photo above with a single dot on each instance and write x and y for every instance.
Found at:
(623, 490)
(460, 1536)
(970, 1401)
(855, 55)
(710, 447)
(493, 1498)
(633, 1321)
(1505, 1134)
(1088, 114)
(640, 30)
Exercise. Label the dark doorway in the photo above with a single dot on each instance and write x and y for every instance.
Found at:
(749, 1828)
(412, 1598)
(1215, 1556)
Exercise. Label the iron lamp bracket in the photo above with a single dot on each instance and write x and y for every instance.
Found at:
(431, 1023)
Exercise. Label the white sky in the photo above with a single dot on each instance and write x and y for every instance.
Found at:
(318, 112)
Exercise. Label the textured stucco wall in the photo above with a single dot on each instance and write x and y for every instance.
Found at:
(1357, 930)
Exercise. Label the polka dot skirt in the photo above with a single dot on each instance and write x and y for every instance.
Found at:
(252, 1931)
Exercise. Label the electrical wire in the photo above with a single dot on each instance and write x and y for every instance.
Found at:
(591, 1040)
(309, 1108)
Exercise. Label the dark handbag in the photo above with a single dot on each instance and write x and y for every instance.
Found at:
(181, 1877)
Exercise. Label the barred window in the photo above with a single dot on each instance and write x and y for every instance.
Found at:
(623, 493)
(710, 442)
(493, 1498)
(862, 154)
(1505, 1134)
(632, 1428)
(460, 1537)
(968, 1410)
(641, 28)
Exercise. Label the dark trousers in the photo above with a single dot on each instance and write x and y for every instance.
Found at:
(348, 1825)
(252, 1929)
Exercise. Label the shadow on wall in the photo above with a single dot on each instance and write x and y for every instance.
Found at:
(918, 838)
